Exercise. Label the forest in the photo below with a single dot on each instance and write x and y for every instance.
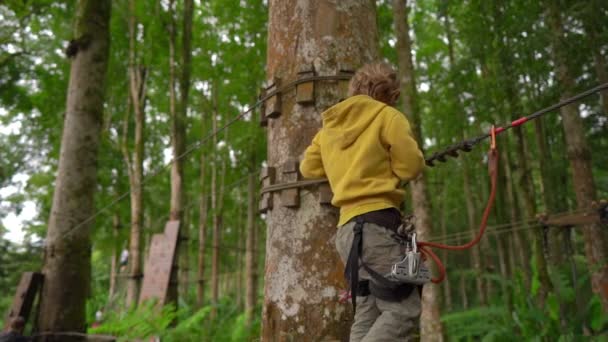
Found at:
(118, 118)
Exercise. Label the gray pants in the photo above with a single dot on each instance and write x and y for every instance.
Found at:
(377, 319)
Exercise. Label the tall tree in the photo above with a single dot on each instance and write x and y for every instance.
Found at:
(179, 136)
(579, 156)
(470, 205)
(593, 19)
(67, 263)
(430, 324)
(251, 250)
(303, 271)
(202, 223)
(135, 162)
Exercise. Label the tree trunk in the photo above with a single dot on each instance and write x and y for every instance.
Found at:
(475, 252)
(447, 294)
(137, 94)
(238, 272)
(504, 270)
(177, 172)
(113, 262)
(579, 156)
(593, 21)
(251, 252)
(202, 226)
(303, 272)
(430, 324)
(514, 215)
(214, 210)
(179, 129)
(67, 261)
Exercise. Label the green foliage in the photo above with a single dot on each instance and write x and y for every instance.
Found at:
(529, 322)
(192, 324)
(142, 322)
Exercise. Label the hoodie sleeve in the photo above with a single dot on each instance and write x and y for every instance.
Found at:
(407, 161)
(312, 164)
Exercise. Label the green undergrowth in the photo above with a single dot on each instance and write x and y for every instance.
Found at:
(184, 324)
(569, 313)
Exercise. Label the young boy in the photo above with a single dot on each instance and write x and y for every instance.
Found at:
(366, 150)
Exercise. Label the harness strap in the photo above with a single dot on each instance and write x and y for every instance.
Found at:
(386, 289)
(351, 271)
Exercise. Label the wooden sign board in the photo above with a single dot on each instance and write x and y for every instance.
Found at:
(159, 264)
(29, 285)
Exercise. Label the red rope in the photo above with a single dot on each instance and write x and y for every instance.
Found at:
(493, 170)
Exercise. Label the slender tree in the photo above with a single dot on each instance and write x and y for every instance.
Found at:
(579, 156)
(251, 250)
(67, 263)
(470, 205)
(430, 324)
(202, 223)
(134, 161)
(179, 136)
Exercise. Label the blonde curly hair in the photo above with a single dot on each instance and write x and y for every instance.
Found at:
(377, 80)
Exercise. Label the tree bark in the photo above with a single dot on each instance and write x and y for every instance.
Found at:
(202, 225)
(215, 210)
(67, 261)
(470, 206)
(251, 252)
(179, 137)
(303, 272)
(115, 251)
(430, 324)
(134, 163)
(177, 143)
(592, 22)
(447, 294)
(579, 156)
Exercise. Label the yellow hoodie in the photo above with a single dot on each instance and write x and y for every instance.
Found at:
(365, 149)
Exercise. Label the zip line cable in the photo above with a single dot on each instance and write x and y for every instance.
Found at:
(207, 138)
(468, 144)
(465, 145)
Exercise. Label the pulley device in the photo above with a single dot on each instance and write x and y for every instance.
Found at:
(410, 270)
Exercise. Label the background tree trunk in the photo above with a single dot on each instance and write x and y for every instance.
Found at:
(179, 129)
(137, 96)
(67, 261)
(202, 224)
(430, 325)
(579, 156)
(115, 252)
(251, 251)
(214, 211)
(303, 273)
(176, 210)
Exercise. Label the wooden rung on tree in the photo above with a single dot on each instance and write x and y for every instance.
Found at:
(267, 177)
(273, 104)
(593, 216)
(343, 84)
(291, 197)
(325, 194)
(262, 108)
(305, 92)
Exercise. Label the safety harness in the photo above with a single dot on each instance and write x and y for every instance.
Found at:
(380, 286)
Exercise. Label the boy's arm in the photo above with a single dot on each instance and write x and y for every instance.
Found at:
(312, 164)
(407, 161)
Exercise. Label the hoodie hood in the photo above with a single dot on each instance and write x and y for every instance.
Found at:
(344, 122)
